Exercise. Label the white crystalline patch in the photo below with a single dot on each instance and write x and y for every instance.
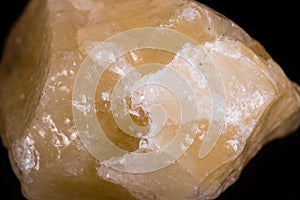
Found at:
(51, 87)
(25, 155)
(134, 112)
(82, 105)
(71, 72)
(201, 132)
(257, 101)
(106, 53)
(121, 68)
(189, 139)
(222, 47)
(42, 133)
(233, 115)
(88, 45)
(171, 23)
(67, 121)
(139, 134)
(234, 144)
(201, 137)
(116, 160)
(188, 14)
(65, 140)
(73, 135)
(53, 78)
(134, 56)
(246, 103)
(105, 96)
(47, 119)
(65, 89)
(247, 106)
(63, 72)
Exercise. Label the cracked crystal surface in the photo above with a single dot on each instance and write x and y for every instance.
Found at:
(141, 101)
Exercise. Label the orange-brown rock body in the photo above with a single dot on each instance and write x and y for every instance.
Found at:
(250, 101)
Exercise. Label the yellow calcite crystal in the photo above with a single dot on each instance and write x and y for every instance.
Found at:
(111, 99)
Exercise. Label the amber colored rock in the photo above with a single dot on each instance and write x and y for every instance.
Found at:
(185, 101)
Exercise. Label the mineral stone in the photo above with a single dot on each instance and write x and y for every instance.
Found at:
(111, 99)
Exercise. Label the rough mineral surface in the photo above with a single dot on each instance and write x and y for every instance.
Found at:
(248, 101)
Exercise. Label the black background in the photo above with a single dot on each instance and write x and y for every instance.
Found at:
(274, 173)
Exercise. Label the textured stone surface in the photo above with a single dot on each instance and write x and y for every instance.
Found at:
(40, 67)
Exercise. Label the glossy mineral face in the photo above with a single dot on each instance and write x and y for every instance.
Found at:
(149, 100)
(137, 100)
